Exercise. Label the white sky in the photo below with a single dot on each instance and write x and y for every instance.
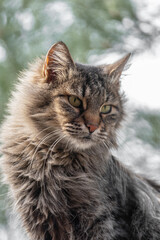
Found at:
(142, 83)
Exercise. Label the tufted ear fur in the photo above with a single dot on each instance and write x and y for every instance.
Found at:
(114, 70)
(58, 61)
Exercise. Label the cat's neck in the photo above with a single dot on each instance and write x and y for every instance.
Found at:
(37, 152)
(61, 154)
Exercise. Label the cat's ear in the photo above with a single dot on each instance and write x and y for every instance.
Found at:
(58, 61)
(115, 69)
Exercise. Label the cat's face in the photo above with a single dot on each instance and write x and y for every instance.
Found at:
(83, 104)
(87, 109)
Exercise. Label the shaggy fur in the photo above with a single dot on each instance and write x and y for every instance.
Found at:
(65, 183)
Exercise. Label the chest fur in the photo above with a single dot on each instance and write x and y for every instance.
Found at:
(63, 196)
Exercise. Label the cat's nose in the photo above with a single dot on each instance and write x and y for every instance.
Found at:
(92, 127)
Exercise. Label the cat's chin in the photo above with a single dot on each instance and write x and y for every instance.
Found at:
(82, 144)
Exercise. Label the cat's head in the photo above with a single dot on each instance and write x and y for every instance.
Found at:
(80, 104)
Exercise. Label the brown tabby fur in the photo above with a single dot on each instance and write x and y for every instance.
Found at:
(64, 181)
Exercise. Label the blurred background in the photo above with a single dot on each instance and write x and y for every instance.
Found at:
(95, 32)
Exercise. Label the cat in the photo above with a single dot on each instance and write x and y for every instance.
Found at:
(56, 154)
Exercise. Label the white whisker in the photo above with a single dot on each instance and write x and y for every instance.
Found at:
(53, 145)
(30, 143)
(51, 134)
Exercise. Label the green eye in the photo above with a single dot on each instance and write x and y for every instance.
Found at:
(106, 109)
(74, 101)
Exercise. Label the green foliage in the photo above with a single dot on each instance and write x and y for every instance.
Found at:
(149, 130)
(3, 200)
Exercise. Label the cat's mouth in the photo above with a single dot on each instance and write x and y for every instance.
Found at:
(87, 137)
(82, 141)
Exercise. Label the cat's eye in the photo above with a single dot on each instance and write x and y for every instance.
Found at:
(105, 109)
(75, 101)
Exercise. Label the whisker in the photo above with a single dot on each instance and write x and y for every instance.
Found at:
(41, 142)
(73, 124)
(54, 144)
(51, 134)
(105, 144)
(30, 143)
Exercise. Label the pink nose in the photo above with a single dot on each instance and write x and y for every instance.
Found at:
(91, 127)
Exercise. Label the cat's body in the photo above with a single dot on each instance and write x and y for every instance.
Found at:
(56, 155)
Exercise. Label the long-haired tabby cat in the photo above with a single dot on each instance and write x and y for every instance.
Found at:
(56, 141)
